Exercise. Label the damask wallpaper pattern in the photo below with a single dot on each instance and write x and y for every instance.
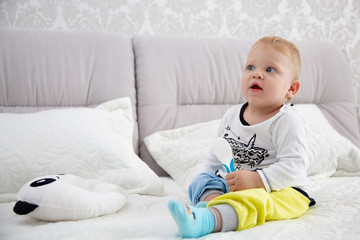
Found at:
(335, 21)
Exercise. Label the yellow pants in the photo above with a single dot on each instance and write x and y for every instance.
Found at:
(256, 206)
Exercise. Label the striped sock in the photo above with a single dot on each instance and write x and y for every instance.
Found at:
(192, 221)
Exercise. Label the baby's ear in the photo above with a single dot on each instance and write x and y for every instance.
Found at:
(294, 88)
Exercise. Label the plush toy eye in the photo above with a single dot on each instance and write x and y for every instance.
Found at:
(41, 182)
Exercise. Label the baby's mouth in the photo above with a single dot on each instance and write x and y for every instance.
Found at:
(255, 87)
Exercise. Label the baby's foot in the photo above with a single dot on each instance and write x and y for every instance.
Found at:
(192, 221)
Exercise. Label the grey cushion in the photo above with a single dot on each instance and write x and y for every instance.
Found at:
(42, 69)
(185, 80)
(180, 80)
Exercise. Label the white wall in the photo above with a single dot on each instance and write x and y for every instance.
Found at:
(335, 21)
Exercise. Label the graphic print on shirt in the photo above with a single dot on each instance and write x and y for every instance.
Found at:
(245, 153)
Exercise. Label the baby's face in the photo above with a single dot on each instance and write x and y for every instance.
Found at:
(267, 77)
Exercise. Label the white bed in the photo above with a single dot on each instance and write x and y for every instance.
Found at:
(335, 216)
(158, 103)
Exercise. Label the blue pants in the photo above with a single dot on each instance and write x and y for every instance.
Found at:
(204, 182)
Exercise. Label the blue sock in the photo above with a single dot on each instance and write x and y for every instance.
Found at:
(201, 204)
(192, 221)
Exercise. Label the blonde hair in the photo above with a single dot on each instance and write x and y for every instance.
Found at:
(284, 46)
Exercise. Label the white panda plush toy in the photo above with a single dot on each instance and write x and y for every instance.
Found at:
(68, 197)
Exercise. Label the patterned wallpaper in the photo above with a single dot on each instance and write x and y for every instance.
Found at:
(335, 21)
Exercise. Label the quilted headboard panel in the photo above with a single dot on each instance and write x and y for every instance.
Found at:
(185, 80)
(41, 69)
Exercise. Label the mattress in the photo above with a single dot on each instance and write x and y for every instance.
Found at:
(335, 216)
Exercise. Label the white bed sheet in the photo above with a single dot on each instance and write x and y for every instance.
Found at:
(335, 216)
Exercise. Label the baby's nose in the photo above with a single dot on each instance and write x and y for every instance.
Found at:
(257, 74)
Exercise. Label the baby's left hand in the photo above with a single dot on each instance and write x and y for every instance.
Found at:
(243, 179)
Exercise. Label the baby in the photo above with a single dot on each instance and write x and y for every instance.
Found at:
(270, 153)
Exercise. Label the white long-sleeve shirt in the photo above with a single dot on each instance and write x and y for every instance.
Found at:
(276, 148)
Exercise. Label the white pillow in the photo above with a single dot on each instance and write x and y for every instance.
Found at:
(327, 148)
(87, 142)
(68, 197)
(181, 152)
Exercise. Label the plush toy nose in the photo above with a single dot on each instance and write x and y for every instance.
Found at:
(23, 208)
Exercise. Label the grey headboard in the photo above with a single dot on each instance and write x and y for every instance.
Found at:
(42, 69)
(179, 80)
(185, 80)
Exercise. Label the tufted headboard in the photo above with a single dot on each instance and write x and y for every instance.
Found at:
(172, 81)
(42, 69)
(187, 80)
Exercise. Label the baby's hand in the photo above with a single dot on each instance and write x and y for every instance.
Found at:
(243, 179)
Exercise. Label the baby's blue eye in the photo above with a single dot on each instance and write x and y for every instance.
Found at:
(270, 69)
(250, 68)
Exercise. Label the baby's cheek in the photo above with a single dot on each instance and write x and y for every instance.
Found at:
(243, 85)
